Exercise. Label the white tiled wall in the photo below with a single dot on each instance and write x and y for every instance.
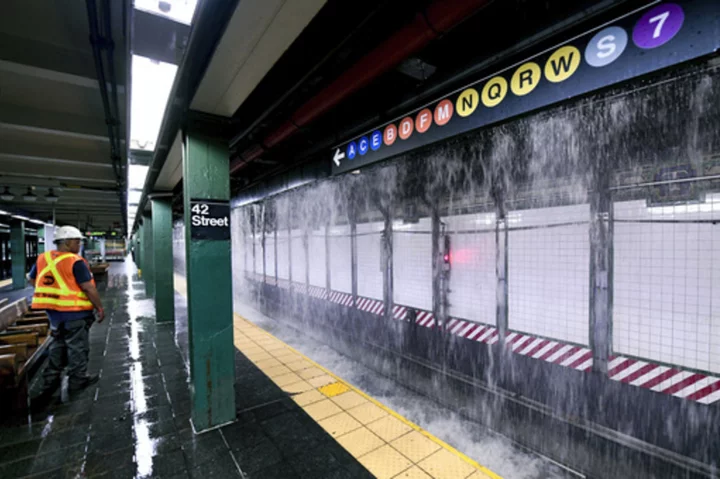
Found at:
(318, 271)
(179, 247)
(340, 259)
(548, 273)
(270, 256)
(412, 264)
(297, 262)
(667, 283)
(473, 282)
(370, 282)
(282, 252)
(257, 239)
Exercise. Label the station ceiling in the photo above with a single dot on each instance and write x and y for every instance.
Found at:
(53, 133)
(274, 56)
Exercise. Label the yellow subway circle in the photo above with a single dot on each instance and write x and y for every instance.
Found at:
(562, 64)
(525, 79)
(467, 102)
(494, 91)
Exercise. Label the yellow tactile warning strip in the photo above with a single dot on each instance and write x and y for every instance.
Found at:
(387, 444)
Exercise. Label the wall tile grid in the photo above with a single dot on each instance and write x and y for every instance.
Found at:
(258, 266)
(370, 282)
(548, 272)
(412, 264)
(340, 259)
(282, 253)
(270, 257)
(297, 261)
(667, 283)
(179, 248)
(318, 271)
(473, 282)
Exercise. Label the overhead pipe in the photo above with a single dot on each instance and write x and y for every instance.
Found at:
(97, 42)
(438, 18)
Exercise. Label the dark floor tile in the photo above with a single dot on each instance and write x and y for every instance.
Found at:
(108, 443)
(203, 448)
(222, 467)
(258, 456)
(99, 464)
(241, 436)
(19, 468)
(19, 450)
(160, 429)
(278, 471)
(66, 437)
(57, 458)
(280, 407)
(156, 414)
(317, 462)
(166, 464)
(103, 409)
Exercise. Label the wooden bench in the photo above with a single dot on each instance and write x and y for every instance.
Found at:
(24, 337)
(99, 269)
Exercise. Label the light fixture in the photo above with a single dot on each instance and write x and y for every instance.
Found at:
(7, 195)
(52, 197)
(30, 196)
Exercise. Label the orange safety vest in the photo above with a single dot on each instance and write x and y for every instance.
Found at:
(55, 285)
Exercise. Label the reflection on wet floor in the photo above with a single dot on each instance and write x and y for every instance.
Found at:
(135, 422)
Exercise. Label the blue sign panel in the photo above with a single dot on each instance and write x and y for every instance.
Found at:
(638, 43)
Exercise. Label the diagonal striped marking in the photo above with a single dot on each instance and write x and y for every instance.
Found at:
(698, 386)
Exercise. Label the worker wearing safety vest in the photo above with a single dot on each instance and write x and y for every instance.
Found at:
(65, 288)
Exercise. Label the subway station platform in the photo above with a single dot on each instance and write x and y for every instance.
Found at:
(295, 418)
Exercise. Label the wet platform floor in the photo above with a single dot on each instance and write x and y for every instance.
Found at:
(135, 422)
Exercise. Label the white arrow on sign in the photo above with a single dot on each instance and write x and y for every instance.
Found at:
(339, 155)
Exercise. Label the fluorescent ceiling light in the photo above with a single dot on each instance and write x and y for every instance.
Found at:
(19, 217)
(134, 196)
(136, 177)
(180, 11)
(151, 85)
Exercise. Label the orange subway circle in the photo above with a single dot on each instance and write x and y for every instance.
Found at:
(390, 134)
(406, 128)
(423, 120)
(443, 112)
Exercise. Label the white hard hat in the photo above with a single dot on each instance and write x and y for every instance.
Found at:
(67, 232)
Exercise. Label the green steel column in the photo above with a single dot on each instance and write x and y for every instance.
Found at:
(141, 246)
(148, 262)
(17, 250)
(163, 258)
(41, 246)
(209, 285)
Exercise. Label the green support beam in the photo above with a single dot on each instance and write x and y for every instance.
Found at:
(140, 245)
(17, 250)
(148, 271)
(209, 284)
(163, 259)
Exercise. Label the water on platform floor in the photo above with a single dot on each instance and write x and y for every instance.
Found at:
(474, 440)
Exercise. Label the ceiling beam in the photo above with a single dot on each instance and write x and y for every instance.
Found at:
(17, 118)
(56, 161)
(47, 176)
(53, 75)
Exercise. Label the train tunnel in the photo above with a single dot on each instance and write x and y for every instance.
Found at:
(457, 239)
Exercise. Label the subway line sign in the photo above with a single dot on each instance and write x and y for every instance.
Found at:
(641, 42)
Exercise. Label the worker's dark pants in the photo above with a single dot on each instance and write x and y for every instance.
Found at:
(70, 348)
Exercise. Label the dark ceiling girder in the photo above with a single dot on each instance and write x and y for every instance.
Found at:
(439, 17)
(209, 23)
(103, 41)
(158, 38)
